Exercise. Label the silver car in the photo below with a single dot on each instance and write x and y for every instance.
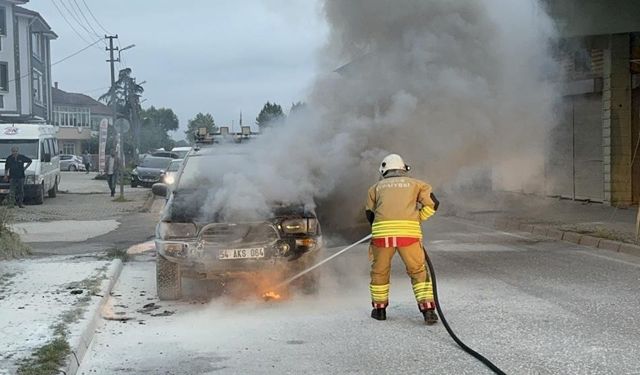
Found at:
(71, 163)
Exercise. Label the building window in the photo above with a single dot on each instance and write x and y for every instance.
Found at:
(1, 101)
(4, 76)
(38, 88)
(3, 21)
(71, 116)
(36, 45)
(69, 148)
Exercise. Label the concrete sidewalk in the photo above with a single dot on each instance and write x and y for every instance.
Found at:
(586, 223)
(51, 305)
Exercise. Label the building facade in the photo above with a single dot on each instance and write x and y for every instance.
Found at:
(77, 118)
(25, 64)
(593, 149)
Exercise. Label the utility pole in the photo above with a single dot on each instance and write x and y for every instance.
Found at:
(114, 106)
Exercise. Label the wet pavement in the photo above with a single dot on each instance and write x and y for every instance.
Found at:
(532, 305)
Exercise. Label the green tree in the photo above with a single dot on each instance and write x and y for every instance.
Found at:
(125, 95)
(270, 114)
(154, 128)
(163, 118)
(201, 120)
(125, 92)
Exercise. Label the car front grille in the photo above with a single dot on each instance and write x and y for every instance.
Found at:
(228, 234)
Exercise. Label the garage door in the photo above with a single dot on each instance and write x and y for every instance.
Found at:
(574, 168)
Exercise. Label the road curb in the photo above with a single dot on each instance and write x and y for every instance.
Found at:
(554, 233)
(81, 344)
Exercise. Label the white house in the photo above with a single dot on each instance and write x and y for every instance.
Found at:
(25, 64)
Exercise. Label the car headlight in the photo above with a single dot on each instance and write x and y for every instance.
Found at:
(169, 179)
(134, 172)
(176, 230)
(301, 225)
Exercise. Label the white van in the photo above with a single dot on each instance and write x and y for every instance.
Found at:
(39, 143)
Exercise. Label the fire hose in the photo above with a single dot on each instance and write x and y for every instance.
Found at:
(455, 338)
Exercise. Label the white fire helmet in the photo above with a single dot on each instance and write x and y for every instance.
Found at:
(393, 161)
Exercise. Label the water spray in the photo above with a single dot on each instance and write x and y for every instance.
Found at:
(302, 273)
(455, 338)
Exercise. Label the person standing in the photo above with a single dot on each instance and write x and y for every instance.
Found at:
(86, 160)
(112, 172)
(395, 207)
(14, 168)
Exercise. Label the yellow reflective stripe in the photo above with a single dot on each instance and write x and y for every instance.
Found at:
(426, 212)
(396, 230)
(423, 291)
(399, 228)
(395, 224)
(379, 287)
(379, 293)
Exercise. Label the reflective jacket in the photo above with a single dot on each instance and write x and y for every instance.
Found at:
(398, 204)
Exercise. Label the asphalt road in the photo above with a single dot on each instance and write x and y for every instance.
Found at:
(532, 305)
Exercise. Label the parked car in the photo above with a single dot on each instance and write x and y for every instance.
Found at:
(170, 176)
(149, 171)
(39, 143)
(71, 163)
(181, 151)
(165, 154)
(175, 153)
(193, 241)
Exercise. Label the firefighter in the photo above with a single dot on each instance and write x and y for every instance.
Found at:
(395, 207)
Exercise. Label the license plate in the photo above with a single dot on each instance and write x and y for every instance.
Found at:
(4, 191)
(255, 252)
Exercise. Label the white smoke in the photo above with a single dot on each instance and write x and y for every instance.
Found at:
(452, 86)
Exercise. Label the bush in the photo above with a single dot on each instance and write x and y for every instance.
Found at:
(10, 244)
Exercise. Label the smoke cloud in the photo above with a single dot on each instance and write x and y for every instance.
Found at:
(458, 88)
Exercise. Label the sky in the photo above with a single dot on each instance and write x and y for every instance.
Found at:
(221, 57)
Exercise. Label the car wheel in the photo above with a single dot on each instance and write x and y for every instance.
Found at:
(72, 168)
(54, 190)
(39, 197)
(168, 279)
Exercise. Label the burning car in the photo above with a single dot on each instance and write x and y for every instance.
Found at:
(196, 240)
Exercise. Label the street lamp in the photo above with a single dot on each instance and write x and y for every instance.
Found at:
(124, 49)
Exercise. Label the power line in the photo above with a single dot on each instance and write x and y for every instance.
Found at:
(78, 51)
(74, 15)
(85, 18)
(94, 18)
(68, 23)
(62, 59)
(94, 90)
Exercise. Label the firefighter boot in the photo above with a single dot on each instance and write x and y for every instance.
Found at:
(379, 314)
(430, 317)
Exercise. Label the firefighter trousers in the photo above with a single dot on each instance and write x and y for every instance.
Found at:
(413, 257)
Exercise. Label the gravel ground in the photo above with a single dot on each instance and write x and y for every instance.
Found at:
(82, 198)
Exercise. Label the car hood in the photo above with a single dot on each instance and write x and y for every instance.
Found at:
(188, 206)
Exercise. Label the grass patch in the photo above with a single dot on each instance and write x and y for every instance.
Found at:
(118, 253)
(47, 359)
(11, 246)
